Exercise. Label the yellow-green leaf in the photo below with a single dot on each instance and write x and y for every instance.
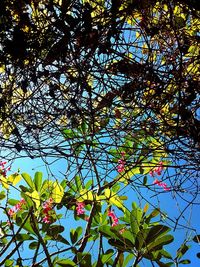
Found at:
(4, 182)
(57, 192)
(85, 195)
(35, 198)
(113, 198)
(14, 178)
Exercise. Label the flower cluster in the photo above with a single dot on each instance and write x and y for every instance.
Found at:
(80, 208)
(122, 162)
(47, 210)
(158, 170)
(17, 207)
(3, 169)
(161, 184)
(114, 217)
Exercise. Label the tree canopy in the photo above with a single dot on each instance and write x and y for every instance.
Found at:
(112, 87)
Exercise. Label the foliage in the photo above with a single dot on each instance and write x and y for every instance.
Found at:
(35, 223)
(112, 87)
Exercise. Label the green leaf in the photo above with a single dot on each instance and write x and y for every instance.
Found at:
(155, 232)
(27, 198)
(107, 256)
(135, 219)
(23, 237)
(27, 226)
(120, 245)
(25, 189)
(185, 262)
(127, 235)
(9, 263)
(2, 195)
(159, 243)
(140, 239)
(106, 231)
(54, 230)
(84, 259)
(88, 184)
(145, 180)
(153, 214)
(123, 234)
(78, 182)
(12, 202)
(65, 263)
(126, 216)
(166, 254)
(127, 259)
(28, 180)
(33, 245)
(130, 173)
(69, 133)
(182, 250)
(75, 234)
(62, 240)
(83, 127)
(38, 180)
(18, 220)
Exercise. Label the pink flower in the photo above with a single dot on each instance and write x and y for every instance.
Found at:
(11, 212)
(16, 208)
(46, 219)
(47, 210)
(114, 217)
(121, 162)
(161, 184)
(120, 168)
(3, 169)
(23, 201)
(151, 173)
(80, 208)
(157, 170)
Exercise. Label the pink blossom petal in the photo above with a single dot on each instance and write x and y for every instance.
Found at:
(80, 208)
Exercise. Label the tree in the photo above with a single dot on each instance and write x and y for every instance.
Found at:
(109, 86)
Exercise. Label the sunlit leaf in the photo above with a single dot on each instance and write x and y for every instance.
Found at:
(14, 178)
(4, 182)
(107, 256)
(35, 198)
(38, 180)
(57, 192)
(28, 180)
